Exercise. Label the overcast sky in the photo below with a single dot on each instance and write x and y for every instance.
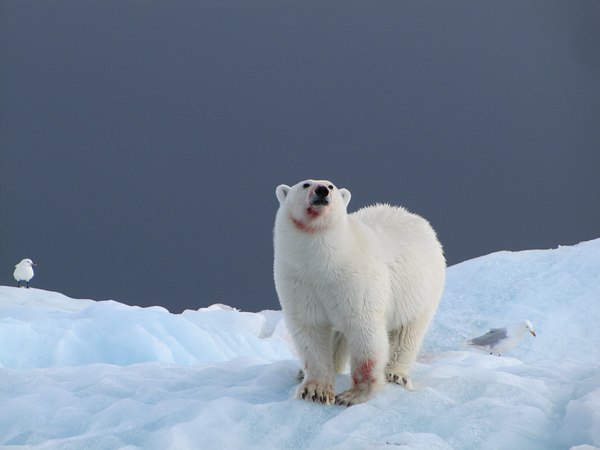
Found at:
(141, 141)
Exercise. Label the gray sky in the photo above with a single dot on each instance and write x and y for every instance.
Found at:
(141, 142)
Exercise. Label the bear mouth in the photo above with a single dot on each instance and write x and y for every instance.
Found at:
(320, 201)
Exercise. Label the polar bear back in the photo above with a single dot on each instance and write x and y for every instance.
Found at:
(399, 232)
(413, 255)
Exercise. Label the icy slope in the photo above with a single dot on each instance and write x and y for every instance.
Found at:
(102, 375)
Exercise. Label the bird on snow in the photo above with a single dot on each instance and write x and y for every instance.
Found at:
(24, 271)
(501, 340)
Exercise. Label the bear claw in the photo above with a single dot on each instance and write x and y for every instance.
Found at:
(399, 379)
(351, 397)
(316, 392)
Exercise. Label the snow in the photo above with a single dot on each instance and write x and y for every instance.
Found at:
(81, 374)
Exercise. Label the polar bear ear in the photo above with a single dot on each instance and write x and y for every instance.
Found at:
(346, 195)
(281, 192)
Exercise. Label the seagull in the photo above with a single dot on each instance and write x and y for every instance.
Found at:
(24, 271)
(501, 340)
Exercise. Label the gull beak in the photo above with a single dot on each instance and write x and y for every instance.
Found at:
(532, 333)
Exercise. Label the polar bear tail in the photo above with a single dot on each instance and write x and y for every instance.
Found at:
(340, 352)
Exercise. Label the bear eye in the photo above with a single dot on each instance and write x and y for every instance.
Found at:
(330, 187)
(305, 185)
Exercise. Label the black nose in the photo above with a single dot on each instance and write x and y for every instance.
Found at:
(322, 191)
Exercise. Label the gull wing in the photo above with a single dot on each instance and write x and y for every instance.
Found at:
(490, 338)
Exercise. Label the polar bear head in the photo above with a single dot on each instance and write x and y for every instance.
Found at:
(312, 205)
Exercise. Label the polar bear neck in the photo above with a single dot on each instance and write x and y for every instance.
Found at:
(332, 239)
(301, 226)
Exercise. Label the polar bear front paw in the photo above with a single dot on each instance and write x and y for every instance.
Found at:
(401, 379)
(353, 396)
(316, 391)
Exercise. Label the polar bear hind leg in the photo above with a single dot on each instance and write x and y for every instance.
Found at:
(340, 352)
(405, 343)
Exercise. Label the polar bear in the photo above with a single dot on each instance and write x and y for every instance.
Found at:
(363, 285)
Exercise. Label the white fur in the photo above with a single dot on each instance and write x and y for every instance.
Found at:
(364, 284)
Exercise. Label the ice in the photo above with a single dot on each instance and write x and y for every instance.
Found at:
(81, 374)
(581, 423)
